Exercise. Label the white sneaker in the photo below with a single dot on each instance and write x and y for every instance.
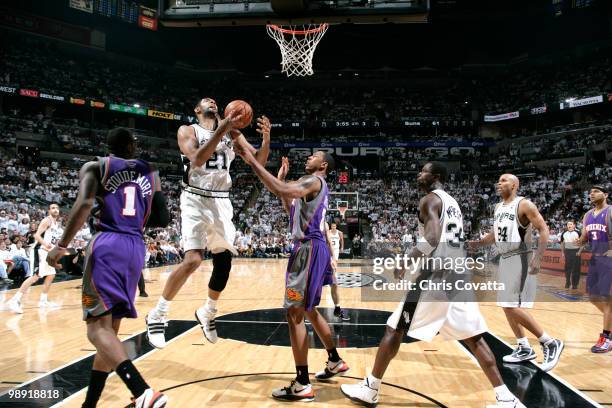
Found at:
(295, 392)
(47, 304)
(513, 403)
(552, 353)
(332, 369)
(206, 318)
(361, 393)
(150, 399)
(156, 329)
(15, 306)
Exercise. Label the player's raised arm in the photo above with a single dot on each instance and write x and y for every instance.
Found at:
(282, 175)
(529, 209)
(303, 187)
(263, 128)
(188, 142)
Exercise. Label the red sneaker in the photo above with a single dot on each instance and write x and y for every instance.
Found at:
(604, 344)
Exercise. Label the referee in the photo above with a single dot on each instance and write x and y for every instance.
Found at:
(569, 249)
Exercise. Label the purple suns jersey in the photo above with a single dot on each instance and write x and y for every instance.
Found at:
(597, 229)
(127, 193)
(307, 218)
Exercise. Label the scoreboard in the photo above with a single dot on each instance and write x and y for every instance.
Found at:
(343, 177)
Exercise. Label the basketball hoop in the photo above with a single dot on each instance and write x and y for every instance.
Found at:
(342, 211)
(297, 45)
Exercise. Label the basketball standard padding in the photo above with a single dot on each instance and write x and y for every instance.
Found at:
(242, 108)
(288, 6)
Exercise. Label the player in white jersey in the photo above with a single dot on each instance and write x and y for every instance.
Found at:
(515, 217)
(423, 314)
(206, 211)
(336, 244)
(48, 233)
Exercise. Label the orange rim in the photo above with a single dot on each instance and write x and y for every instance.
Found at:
(298, 32)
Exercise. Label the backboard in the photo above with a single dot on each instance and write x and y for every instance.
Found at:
(201, 13)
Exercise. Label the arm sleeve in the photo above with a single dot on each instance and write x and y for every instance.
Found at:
(160, 216)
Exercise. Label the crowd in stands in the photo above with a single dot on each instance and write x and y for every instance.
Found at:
(388, 203)
(55, 69)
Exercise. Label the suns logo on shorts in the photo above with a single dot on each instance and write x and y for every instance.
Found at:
(294, 295)
(88, 301)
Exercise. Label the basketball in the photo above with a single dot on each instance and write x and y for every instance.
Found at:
(242, 107)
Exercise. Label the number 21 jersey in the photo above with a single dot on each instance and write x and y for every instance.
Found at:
(214, 174)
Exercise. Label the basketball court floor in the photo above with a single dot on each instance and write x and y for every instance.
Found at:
(48, 349)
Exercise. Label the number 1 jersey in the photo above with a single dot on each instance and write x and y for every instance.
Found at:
(214, 174)
(124, 203)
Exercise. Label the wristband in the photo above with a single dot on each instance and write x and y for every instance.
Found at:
(60, 246)
(423, 246)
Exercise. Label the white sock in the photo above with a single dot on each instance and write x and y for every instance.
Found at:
(374, 382)
(523, 342)
(503, 393)
(163, 305)
(43, 297)
(544, 338)
(17, 296)
(211, 304)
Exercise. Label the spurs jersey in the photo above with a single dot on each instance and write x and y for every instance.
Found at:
(214, 174)
(53, 233)
(510, 235)
(335, 239)
(451, 239)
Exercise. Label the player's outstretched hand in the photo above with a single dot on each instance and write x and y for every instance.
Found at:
(263, 127)
(284, 169)
(54, 256)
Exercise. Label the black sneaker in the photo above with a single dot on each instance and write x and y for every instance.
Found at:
(520, 354)
(552, 353)
(341, 314)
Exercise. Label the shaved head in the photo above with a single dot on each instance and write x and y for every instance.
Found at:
(508, 185)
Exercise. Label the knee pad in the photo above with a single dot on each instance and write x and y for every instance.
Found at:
(222, 264)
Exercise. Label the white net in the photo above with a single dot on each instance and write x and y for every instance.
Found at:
(297, 45)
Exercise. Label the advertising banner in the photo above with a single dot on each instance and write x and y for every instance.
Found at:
(77, 101)
(28, 92)
(539, 110)
(553, 260)
(581, 102)
(127, 109)
(8, 89)
(161, 115)
(52, 97)
(501, 116)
